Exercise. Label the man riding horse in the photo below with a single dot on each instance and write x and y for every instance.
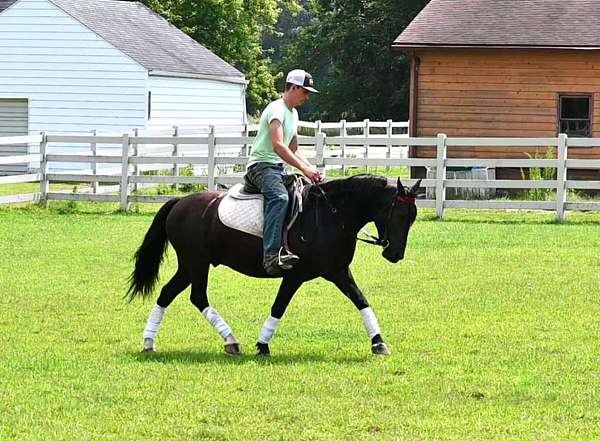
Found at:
(276, 142)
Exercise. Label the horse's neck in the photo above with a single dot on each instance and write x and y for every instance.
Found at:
(360, 210)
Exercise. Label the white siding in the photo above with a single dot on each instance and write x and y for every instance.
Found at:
(74, 80)
(195, 103)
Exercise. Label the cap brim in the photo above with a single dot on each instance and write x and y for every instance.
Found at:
(310, 89)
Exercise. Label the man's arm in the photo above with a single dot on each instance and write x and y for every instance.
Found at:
(294, 148)
(292, 158)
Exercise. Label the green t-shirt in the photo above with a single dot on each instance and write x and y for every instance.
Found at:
(262, 149)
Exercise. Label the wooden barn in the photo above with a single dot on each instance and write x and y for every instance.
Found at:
(504, 68)
(106, 65)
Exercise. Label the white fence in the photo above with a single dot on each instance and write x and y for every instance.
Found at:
(322, 150)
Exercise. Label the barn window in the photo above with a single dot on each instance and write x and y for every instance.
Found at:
(575, 115)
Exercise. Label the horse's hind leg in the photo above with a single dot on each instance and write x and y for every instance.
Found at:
(199, 298)
(178, 283)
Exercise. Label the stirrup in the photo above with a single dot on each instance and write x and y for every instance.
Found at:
(286, 261)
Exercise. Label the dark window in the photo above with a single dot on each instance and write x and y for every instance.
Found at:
(149, 104)
(575, 115)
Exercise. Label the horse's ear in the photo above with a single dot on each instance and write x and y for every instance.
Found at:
(401, 190)
(415, 188)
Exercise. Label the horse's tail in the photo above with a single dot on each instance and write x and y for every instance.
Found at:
(150, 254)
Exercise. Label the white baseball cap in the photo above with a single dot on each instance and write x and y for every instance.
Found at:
(301, 78)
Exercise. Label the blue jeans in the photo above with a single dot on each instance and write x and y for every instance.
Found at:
(269, 179)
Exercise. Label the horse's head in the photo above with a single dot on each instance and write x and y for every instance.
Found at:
(395, 220)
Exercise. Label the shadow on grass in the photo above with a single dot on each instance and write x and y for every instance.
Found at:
(196, 357)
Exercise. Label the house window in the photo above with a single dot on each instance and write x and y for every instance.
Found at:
(149, 104)
(575, 115)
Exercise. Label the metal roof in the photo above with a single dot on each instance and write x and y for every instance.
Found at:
(568, 24)
(147, 38)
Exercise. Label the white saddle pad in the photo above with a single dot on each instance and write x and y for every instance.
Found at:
(242, 211)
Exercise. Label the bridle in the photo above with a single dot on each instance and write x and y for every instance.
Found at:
(398, 199)
(384, 243)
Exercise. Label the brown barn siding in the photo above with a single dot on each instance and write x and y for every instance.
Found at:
(501, 93)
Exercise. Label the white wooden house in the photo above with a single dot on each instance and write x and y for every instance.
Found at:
(106, 65)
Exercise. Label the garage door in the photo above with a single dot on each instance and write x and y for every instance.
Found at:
(13, 122)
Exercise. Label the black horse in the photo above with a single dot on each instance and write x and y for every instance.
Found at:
(324, 237)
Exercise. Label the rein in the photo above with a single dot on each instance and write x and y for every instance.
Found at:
(331, 206)
(384, 243)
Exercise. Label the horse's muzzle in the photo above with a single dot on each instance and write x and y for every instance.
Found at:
(393, 256)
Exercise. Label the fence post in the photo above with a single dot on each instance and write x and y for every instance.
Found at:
(389, 147)
(94, 149)
(211, 160)
(343, 134)
(124, 188)
(561, 177)
(44, 183)
(136, 151)
(366, 132)
(440, 176)
(245, 132)
(320, 150)
(175, 153)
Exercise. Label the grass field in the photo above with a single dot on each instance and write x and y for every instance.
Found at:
(492, 320)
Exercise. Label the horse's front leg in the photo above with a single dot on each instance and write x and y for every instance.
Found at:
(287, 289)
(345, 282)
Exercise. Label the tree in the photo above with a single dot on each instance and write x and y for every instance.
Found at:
(347, 48)
(233, 30)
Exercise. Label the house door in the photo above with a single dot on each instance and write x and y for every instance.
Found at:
(13, 122)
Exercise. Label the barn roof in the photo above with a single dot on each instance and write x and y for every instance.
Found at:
(562, 24)
(146, 37)
(5, 4)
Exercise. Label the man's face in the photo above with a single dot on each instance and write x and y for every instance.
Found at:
(301, 95)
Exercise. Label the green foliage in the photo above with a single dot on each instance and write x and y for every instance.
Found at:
(390, 172)
(491, 319)
(232, 29)
(541, 174)
(347, 48)
(189, 188)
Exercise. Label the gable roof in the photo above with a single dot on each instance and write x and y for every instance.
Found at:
(5, 4)
(146, 37)
(560, 24)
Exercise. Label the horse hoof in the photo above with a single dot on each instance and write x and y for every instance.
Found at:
(148, 345)
(233, 348)
(380, 349)
(263, 349)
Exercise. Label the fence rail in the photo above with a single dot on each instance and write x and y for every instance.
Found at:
(322, 150)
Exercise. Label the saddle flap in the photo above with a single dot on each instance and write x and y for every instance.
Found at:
(245, 214)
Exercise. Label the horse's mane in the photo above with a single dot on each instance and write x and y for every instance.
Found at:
(355, 186)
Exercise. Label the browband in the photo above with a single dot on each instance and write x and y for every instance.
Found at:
(407, 200)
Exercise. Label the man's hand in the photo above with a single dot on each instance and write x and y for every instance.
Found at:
(311, 172)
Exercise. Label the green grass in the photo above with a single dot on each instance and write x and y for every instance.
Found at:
(34, 187)
(492, 320)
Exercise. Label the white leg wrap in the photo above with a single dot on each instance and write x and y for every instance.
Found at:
(370, 321)
(217, 322)
(154, 320)
(268, 330)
